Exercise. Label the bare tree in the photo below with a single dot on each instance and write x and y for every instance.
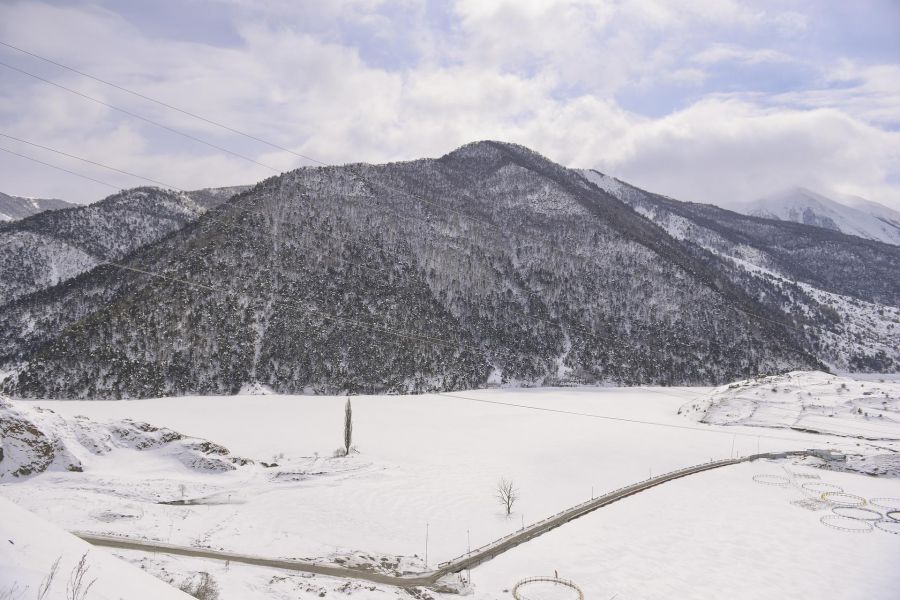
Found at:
(78, 588)
(348, 427)
(507, 494)
(44, 588)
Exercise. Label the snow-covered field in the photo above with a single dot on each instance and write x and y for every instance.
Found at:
(432, 461)
(811, 401)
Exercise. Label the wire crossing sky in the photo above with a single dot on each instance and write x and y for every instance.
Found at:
(711, 100)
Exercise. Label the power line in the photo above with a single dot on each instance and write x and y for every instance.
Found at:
(115, 187)
(627, 420)
(233, 130)
(86, 160)
(574, 328)
(808, 417)
(351, 169)
(161, 103)
(322, 314)
(577, 328)
(140, 117)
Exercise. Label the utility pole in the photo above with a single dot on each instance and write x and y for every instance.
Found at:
(732, 446)
(469, 552)
(426, 544)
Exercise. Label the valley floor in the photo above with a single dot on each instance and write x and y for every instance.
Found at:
(430, 463)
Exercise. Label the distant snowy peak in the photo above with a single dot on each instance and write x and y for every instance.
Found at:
(880, 211)
(14, 208)
(866, 219)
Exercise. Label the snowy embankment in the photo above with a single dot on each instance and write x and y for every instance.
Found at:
(805, 401)
(430, 463)
(813, 402)
(29, 547)
(34, 440)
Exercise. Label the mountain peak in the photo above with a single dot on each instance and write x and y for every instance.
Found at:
(802, 205)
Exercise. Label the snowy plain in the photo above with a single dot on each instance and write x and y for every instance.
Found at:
(432, 461)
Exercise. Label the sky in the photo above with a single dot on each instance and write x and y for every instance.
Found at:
(718, 101)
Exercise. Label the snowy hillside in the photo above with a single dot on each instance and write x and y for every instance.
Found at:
(35, 440)
(807, 402)
(13, 208)
(841, 291)
(522, 274)
(31, 546)
(880, 211)
(53, 247)
(867, 220)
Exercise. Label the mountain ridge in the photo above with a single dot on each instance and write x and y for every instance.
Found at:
(13, 208)
(316, 265)
(47, 248)
(844, 285)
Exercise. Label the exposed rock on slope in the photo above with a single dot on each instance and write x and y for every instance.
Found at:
(35, 440)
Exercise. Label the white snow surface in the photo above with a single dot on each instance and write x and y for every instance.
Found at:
(812, 401)
(867, 219)
(29, 546)
(435, 459)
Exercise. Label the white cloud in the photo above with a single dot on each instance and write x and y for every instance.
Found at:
(728, 151)
(546, 75)
(721, 53)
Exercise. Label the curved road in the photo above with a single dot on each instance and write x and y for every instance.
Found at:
(429, 578)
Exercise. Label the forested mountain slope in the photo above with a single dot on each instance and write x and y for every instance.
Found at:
(844, 288)
(13, 208)
(490, 264)
(50, 247)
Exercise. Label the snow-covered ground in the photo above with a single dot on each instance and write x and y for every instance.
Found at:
(433, 461)
(29, 546)
(811, 401)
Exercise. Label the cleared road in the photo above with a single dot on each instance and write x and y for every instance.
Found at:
(430, 578)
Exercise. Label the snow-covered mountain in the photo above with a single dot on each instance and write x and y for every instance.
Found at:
(13, 208)
(52, 247)
(865, 219)
(844, 290)
(489, 265)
